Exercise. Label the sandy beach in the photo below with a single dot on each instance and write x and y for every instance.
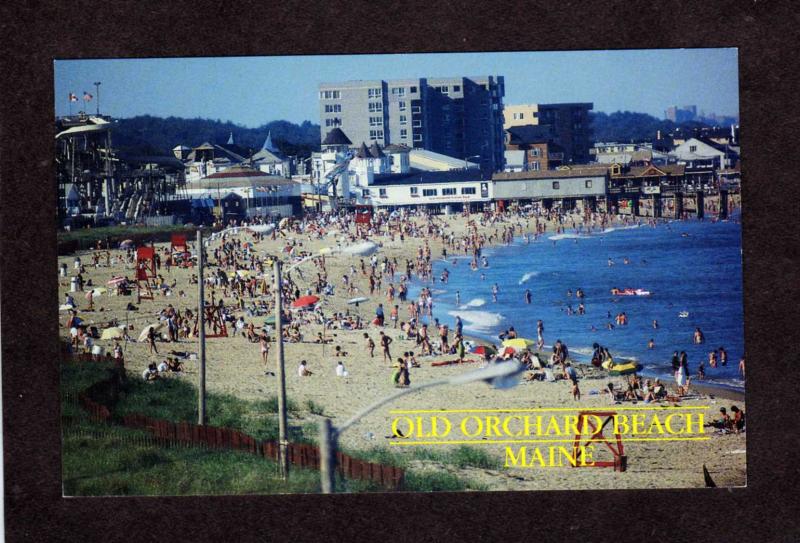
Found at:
(234, 366)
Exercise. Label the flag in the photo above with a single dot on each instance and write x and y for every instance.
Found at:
(87, 97)
(72, 97)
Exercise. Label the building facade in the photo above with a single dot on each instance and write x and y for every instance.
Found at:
(568, 123)
(460, 117)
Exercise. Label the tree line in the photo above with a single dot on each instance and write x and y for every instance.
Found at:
(149, 135)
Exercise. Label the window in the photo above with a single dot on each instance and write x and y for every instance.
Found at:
(693, 148)
(365, 193)
(556, 185)
(401, 105)
(403, 134)
(376, 121)
(330, 95)
(335, 121)
(535, 151)
(403, 119)
(448, 192)
(429, 192)
(416, 109)
(413, 191)
(518, 116)
(416, 123)
(399, 91)
(467, 190)
(536, 167)
(333, 108)
(382, 193)
(376, 134)
(417, 137)
(375, 106)
(375, 93)
(456, 88)
(413, 89)
(588, 183)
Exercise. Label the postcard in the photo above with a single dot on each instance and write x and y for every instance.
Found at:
(400, 273)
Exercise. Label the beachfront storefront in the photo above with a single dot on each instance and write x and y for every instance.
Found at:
(240, 193)
(564, 189)
(438, 192)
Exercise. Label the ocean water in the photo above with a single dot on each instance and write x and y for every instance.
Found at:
(692, 267)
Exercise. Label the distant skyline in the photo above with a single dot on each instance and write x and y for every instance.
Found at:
(252, 91)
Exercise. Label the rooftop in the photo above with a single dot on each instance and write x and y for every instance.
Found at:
(336, 137)
(579, 170)
(421, 178)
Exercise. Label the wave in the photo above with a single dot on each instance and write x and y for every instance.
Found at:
(558, 237)
(525, 278)
(615, 228)
(475, 302)
(479, 321)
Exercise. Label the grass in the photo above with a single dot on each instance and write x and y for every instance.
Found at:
(314, 408)
(462, 456)
(108, 461)
(112, 460)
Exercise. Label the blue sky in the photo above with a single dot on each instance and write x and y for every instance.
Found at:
(251, 91)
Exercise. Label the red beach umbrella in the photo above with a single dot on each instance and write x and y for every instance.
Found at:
(305, 301)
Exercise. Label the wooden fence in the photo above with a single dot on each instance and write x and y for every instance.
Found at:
(184, 433)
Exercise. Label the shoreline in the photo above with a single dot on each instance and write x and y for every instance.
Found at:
(234, 367)
(708, 386)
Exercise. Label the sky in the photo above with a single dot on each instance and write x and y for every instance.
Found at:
(251, 91)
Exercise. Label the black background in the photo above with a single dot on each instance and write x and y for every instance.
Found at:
(34, 33)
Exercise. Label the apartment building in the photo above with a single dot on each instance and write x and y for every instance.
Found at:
(461, 117)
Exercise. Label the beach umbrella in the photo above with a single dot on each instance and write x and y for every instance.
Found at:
(116, 281)
(305, 301)
(625, 369)
(519, 343)
(157, 326)
(115, 332)
(483, 350)
(126, 243)
(357, 300)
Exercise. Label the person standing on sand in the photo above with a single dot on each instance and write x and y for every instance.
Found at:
(379, 316)
(385, 341)
(151, 340)
(572, 375)
(263, 340)
(370, 345)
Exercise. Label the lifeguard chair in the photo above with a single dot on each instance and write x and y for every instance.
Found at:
(614, 443)
(179, 248)
(214, 323)
(145, 272)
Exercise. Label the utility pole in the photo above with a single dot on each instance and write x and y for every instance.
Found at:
(97, 92)
(283, 457)
(201, 327)
(327, 454)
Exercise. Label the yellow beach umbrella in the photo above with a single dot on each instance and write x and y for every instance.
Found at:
(519, 343)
